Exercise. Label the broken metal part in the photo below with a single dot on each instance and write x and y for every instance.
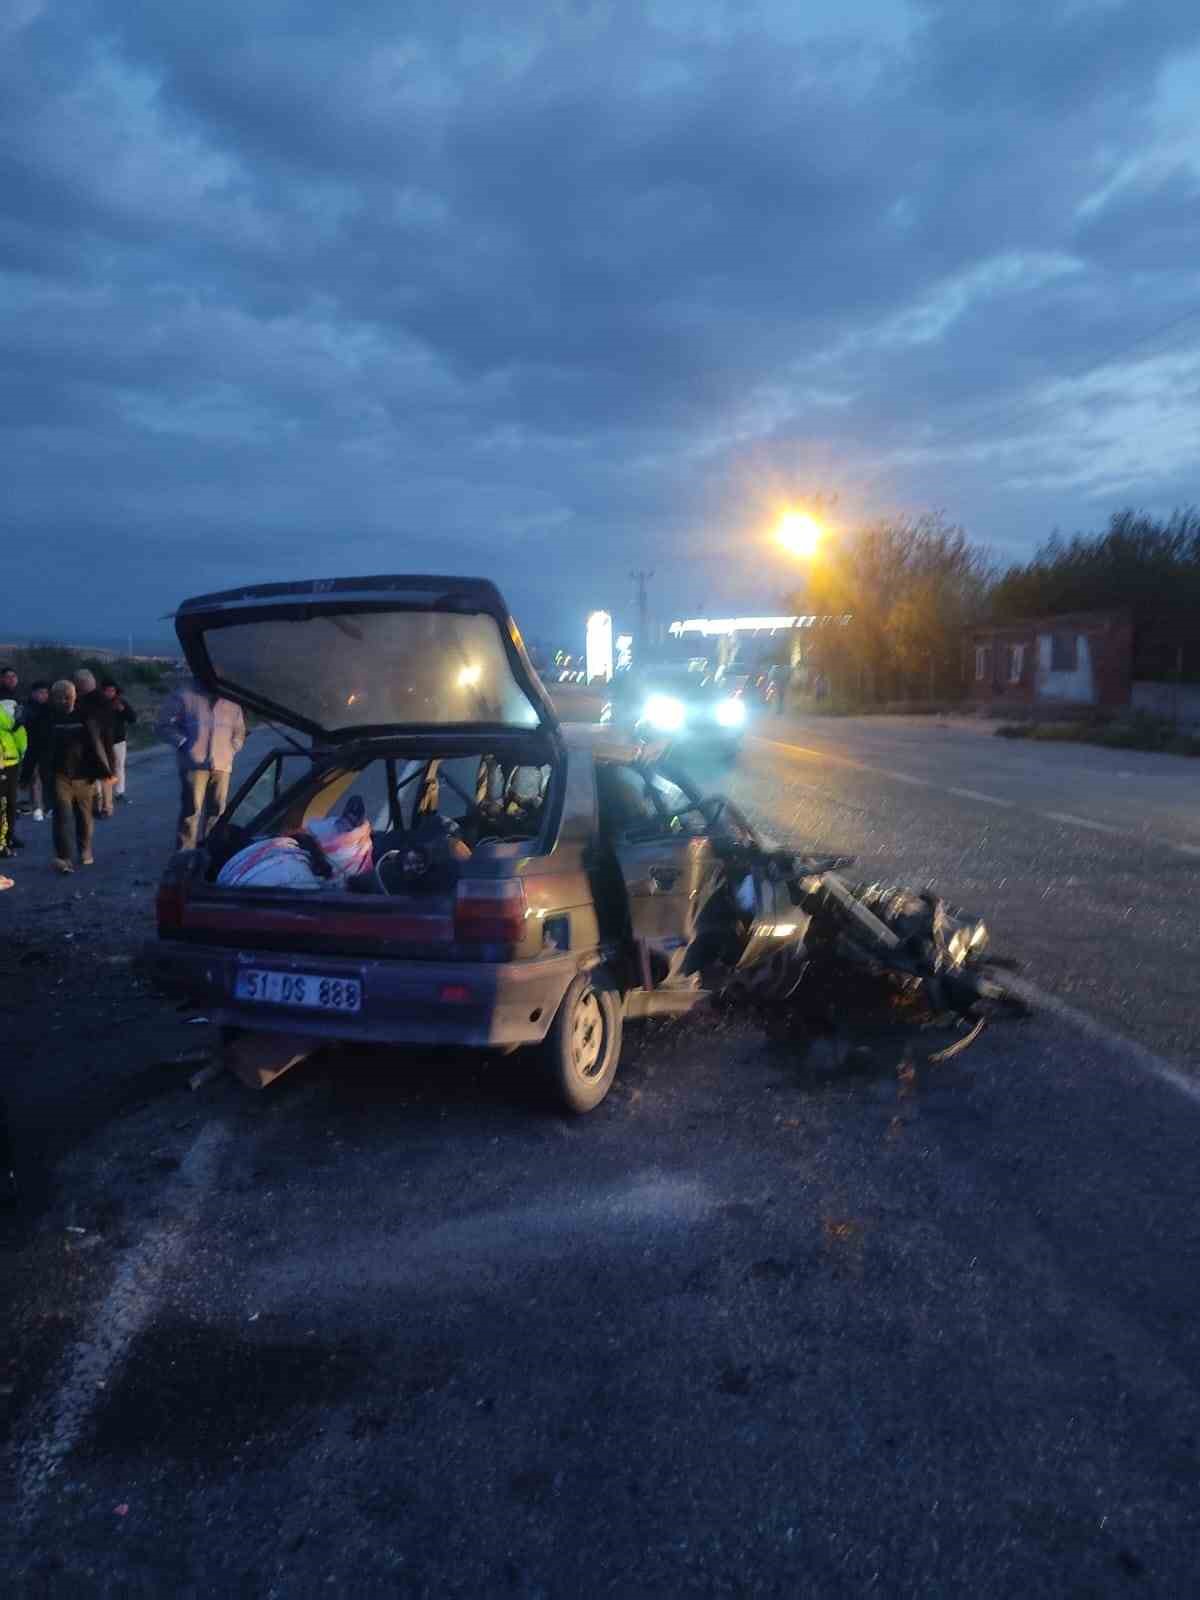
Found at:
(822, 954)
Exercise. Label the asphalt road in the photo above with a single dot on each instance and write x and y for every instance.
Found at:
(756, 1326)
(1084, 861)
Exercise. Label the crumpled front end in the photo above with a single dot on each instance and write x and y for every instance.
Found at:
(793, 942)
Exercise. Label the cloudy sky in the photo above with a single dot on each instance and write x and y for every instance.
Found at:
(552, 291)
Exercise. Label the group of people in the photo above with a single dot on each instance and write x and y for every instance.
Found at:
(66, 744)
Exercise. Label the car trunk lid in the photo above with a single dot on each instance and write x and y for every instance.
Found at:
(343, 659)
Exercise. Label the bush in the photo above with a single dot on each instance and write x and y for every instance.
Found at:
(1132, 733)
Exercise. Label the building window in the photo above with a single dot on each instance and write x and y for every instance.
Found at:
(1016, 662)
(1064, 652)
(983, 663)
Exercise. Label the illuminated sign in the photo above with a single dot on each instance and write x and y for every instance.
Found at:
(708, 626)
(599, 646)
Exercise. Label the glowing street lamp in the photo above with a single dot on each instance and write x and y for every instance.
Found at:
(800, 534)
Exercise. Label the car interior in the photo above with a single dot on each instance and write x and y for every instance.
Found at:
(450, 807)
(429, 813)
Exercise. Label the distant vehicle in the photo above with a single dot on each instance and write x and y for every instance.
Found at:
(675, 703)
(523, 884)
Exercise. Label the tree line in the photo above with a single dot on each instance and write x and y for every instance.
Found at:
(912, 585)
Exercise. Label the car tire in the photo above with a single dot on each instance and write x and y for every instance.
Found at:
(579, 1054)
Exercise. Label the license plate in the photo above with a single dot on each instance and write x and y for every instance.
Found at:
(308, 990)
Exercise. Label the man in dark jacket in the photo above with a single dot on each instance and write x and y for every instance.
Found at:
(91, 702)
(37, 771)
(81, 761)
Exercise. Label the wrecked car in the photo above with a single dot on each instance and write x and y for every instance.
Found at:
(443, 862)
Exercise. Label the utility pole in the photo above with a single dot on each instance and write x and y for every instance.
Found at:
(642, 578)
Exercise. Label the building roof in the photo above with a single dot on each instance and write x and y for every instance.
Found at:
(1058, 619)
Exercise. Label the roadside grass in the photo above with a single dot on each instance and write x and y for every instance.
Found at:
(1134, 733)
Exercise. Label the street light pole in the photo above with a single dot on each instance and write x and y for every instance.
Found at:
(642, 578)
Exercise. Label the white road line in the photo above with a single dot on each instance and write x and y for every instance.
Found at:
(988, 799)
(1081, 822)
(1188, 849)
(1145, 1059)
(128, 1307)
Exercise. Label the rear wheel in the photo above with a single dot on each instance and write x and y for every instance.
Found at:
(579, 1054)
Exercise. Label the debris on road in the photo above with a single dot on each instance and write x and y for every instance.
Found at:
(819, 954)
(259, 1058)
(206, 1074)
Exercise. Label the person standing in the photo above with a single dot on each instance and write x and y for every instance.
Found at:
(123, 715)
(91, 702)
(13, 743)
(37, 772)
(206, 733)
(81, 761)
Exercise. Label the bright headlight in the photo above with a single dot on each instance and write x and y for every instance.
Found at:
(665, 713)
(731, 713)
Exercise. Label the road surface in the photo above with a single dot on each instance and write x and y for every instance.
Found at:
(1085, 861)
(756, 1326)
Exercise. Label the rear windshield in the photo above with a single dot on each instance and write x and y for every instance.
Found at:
(374, 669)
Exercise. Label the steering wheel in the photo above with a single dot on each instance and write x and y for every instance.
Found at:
(721, 819)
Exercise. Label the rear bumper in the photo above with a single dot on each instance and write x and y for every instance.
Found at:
(510, 1003)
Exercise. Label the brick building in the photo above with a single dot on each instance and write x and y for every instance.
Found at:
(1079, 659)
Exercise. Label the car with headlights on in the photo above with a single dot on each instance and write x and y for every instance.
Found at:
(690, 708)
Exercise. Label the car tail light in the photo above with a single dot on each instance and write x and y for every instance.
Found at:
(490, 911)
(168, 906)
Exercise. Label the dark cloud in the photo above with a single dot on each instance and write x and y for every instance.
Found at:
(548, 291)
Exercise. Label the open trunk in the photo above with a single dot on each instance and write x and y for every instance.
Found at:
(419, 698)
(347, 659)
(438, 870)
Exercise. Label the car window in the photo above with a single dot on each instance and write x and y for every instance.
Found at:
(283, 771)
(462, 784)
(672, 798)
(625, 798)
(258, 796)
(370, 783)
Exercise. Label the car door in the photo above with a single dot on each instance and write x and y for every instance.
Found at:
(665, 871)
